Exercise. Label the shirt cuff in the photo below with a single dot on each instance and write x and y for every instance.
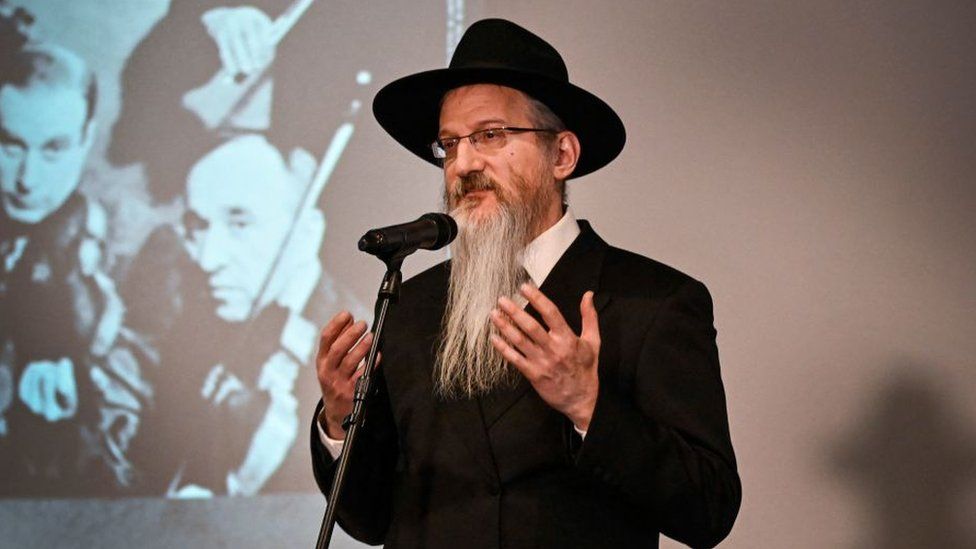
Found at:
(332, 446)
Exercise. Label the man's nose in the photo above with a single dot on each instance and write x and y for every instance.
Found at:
(467, 159)
(212, 251)
(28, 173)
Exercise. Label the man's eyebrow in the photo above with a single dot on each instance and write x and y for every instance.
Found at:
(237, 211)
(8, 137)
(481, 125)
(61, 140)
(490, 122)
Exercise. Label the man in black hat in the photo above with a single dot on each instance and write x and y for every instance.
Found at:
(592, 417)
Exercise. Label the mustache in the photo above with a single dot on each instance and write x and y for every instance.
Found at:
(478, 181)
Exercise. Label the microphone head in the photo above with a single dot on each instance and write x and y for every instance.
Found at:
(371, 242)
(431, 232)
(447, 229)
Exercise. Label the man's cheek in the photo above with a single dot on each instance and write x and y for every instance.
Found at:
(6, 177)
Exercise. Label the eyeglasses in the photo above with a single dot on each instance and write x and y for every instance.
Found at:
(488, 139)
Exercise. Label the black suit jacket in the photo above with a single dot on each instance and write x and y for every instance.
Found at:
(508, 471)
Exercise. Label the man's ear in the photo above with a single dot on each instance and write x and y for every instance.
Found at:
(567, 155)
(302, 165)
(88, 132)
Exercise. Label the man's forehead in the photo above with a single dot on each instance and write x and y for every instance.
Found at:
(483, 103)
(41, 111)
(241, 177)
(212, 197)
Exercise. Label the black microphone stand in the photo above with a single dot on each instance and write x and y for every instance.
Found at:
(388, 294)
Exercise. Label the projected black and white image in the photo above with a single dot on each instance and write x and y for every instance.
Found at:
(164, 214)
(71, 384)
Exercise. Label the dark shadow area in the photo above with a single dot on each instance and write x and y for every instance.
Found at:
(912, 460)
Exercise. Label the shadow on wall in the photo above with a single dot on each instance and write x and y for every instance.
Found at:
(912, 460)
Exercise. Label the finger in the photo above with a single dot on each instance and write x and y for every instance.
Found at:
(259, 41)
(29, 389)
(591, 327)
(269, 48)
(524, 321)
(356, 375)
(239, 50)
(361, 369)
(512, 356)
(355, 356)
(47, 401)
(210, 382)
(67, 391)
(336, 325)
(228, 386)
(227, 59)
(550, 313)
(342, 345)
(236, 32)
(514, 336)
(250, 42)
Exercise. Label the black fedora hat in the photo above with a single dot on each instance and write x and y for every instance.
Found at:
(496, 51)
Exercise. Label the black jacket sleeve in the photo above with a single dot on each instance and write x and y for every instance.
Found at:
(366, 501)
(665, 442)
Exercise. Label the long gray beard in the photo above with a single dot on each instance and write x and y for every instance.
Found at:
(486, 264)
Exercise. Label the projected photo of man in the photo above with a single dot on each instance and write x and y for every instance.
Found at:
(71, 389)
(216, 109)
(244, 299)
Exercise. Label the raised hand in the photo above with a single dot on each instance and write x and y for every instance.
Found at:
(337, 366)
(561, 366)
(243, 38)
(48, 389)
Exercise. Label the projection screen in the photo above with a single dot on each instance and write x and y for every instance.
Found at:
(204, 163)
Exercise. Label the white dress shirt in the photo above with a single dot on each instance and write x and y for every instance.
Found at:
(540, 257)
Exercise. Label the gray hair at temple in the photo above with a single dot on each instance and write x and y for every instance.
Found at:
(541, 116)
(47, 64)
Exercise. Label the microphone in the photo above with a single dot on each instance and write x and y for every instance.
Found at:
(431, 231)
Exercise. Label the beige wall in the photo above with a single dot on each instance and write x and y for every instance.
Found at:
(812, 164)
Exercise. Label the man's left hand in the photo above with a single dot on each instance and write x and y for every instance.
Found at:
(561, 367)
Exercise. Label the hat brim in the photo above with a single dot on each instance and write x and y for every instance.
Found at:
(409, 110)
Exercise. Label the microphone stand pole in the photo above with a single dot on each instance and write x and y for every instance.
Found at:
(388, 293)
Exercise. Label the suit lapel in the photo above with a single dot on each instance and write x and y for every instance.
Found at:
(464, 417)
(461, 418)
(577, 271)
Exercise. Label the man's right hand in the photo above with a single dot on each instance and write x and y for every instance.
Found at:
(48, 389)
(337, 366)
(243, 38)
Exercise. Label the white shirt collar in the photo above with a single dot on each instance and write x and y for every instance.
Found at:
(542, 253)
